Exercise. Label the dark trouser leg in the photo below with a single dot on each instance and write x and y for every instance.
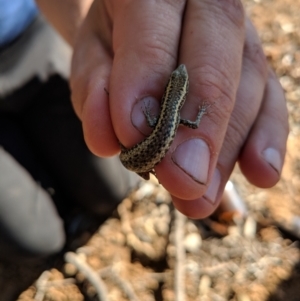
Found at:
(29, 223)
(54, 153)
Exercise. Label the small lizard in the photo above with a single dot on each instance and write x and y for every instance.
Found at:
(144, 156)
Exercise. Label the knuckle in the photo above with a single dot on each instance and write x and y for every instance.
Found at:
(238, 127)
(233, 142)
(179, 4)
(234, 11)
(217, 88)
(236, 135)
(253, 51)
(155, 49)
(279, 116)
(255, 58)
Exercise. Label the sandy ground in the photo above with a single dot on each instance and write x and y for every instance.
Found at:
(148, 251)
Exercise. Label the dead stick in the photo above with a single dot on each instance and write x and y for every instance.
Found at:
(61, 282)
(90, 274)
(180, 257)
(41, 286)
(124, 285)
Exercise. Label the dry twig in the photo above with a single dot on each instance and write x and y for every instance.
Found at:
(41, 285)
(61, 282)
(124, 285)
(180, 256)
(91, 275)
(212, 271)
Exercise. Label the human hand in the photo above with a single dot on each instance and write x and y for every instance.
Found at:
(131, 47)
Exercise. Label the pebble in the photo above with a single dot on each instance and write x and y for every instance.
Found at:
(191, 227)
(193, 242)
(250, 227)
(70, 269)
(162, 197)
(164, 209)
(171, 251)
(204, 285)
(287, 82)
(162, 228)
(243, 297)
(288, 27)
(145, 190)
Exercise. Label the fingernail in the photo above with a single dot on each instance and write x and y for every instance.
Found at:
(273, 157)
(193, 157)
(213, 188)
(138, 118)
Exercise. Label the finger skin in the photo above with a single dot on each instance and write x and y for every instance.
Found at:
(211, 45)
(91, 68)
(65, 16)
(246, 109)
(194, 209)
(252, 129)
(132, 64)
(140, 71)
(143, 58)
(111, 54)
(250, 96)
(263, 168)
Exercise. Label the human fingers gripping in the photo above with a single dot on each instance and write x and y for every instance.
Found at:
(263, 155)
(95, 31)
(258, 123)
(91, 67)
(258, 126)
(141, 39)
(249, 99)
(211, 46)
(140, 59)
(145, 44)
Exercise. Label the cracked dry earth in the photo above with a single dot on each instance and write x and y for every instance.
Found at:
(148, 251)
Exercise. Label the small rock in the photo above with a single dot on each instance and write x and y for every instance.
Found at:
(191, 227)
(193, 242)
(70, 269)
(162, 197)
(287, 82)
(171, 251)
(145, 190)
(161, 228)
(164, 209)
(288, 27)
(250, 227)
(204, 285)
